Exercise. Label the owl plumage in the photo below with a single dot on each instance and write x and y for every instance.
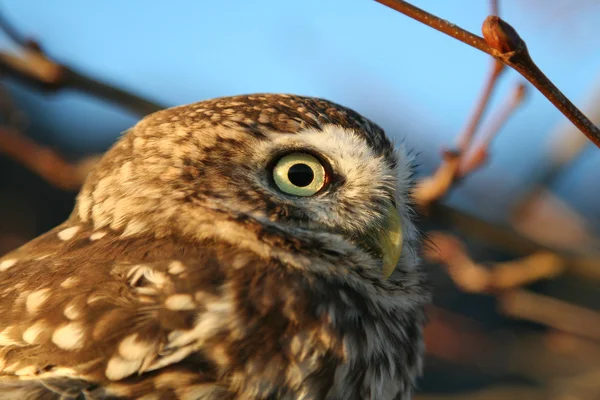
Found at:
(187, 270)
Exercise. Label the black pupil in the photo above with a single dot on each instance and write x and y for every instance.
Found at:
(301, 175)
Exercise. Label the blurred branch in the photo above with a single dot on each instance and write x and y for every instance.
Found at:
(540, 214)
(466, 137)
(11, 31)
(432, 188)
(567, 145)
(549, 220)
(461, 340)
(36, 69)
(494, 7)
(584, 265)
(456, 165)
(45, 162)
(501, 41)
(477, 157)
(472, 277)
(551, 312)
(33, 67)
(492, 393)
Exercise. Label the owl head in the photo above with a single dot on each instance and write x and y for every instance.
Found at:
(300, 165)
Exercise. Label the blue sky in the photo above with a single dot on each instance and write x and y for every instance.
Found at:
(417, 83)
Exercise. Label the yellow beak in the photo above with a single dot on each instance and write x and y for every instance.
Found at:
(390, 241)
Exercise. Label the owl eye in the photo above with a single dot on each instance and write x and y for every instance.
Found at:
(299, 174)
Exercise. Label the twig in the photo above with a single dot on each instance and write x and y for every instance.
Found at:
(43, 161)
(461, 340)
(495, 7)
(136, 104)
(431, 189)
(11, 31)
(475, 158)
(551, 312)
(508, 239)
(435, 187)
(513, 52)
(504, 44)
(472, 277)
(466, 137)
(492, 393)
(566, 147)
(456, 165)
(34, 67)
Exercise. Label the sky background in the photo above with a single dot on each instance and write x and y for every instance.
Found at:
(417, 83)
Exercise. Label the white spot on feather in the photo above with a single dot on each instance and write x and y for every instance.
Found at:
(69, 282)
(6, 264)
(216, 315)
(69, 336)
(97, 235)
(133, 348)
(84, 204)
(33, 332)
(6, 339)
(72, 310)
(36, 299)
(134, 227)
(176, 267)
(180, 302)
(118, 368)
(29, 370)
(137, 272)
(200, 391)
(69, 233)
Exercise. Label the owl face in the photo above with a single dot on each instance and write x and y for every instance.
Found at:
(287, 161)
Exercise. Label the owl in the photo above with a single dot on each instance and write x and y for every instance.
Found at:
(248, 247)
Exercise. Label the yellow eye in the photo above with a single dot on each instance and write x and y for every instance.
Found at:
(299, 174)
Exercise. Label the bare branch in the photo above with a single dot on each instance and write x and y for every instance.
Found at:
(466, 137)
(43, 161)
(472, 277)
(433, 188)
(477, 157)
(504, 44)
(494, 6)
(457, 164)
(551, 312)
(34, 67)
(12, 32)
(492, 393)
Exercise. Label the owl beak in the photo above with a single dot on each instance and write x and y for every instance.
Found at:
(390, 241)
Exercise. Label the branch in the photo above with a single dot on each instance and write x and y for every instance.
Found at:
(477, 157)
(495, 7)
(460, 340)
(551, 312)
(507, 238)
(12, 32)
(43, 161)
(467, 136)
(492, 393)
(433, 188)
(504, 44)
(33, 67)
(472, 277)
(456, 165)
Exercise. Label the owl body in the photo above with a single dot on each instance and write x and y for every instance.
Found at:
(228, 249)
